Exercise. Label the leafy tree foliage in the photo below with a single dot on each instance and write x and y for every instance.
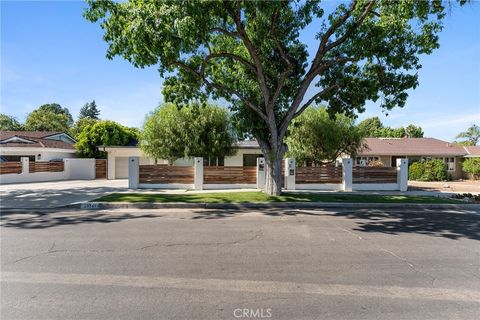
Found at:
(80, 125)
(250, 54)
(41, 120)
(57, 109)
(472, 166)
(89, 110)
(108, 133)
(374, 128)
(316, 136)
(9, 123)
(172, 133)
(472, 135)
(431, 170)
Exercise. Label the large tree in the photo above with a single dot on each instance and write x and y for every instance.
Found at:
(250, 54)
(321, 138)
(192, 131)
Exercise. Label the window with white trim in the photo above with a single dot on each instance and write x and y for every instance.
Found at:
(450, 161)
(363, 161)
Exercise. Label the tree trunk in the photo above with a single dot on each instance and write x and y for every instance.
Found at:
(273, 168)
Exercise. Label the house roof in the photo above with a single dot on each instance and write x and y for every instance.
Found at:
(32, 139)
(247, 144)
(411, 147)
(472, 151)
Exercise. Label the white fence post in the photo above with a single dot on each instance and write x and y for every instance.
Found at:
(290, 174)
(347, 174)
(402, 174)
(261, 173)
(25, 165)
(198, 175)
(133, 172)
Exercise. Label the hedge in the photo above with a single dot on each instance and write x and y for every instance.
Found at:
(472, 166)
(431, 170)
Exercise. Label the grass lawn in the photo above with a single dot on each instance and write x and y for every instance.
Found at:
(260, 197)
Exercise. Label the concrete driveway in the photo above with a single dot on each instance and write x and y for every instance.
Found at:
(56, 194)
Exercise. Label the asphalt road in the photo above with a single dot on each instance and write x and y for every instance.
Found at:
(269, 264)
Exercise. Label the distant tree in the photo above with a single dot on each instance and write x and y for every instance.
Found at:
(472, 135)
(80, 125)
(413, 131)
(102, 133)
(89, 110)
(192, 131)
(316, 136)
(9, 123)
(371, 126)
(44, 120)
(57, 109)
(374, 128)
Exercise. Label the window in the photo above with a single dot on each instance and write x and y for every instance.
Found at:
(213, 162)
(250, 160)
(363, 161)
(450, 161)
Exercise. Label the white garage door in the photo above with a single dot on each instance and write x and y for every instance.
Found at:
(121, 167)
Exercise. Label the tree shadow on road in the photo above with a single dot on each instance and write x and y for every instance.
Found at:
(48, 220)
(450, 224)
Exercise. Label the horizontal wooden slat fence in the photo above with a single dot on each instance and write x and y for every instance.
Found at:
(10, 167)
(100, 168)
(374, 175)
(54, 166)
(158, 173)
(230, 175)
(322, 174)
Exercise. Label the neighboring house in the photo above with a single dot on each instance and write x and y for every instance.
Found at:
(36, 145)
(472, 151)
(388, 150)
(246, 155)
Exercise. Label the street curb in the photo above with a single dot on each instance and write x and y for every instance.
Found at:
(276, 205)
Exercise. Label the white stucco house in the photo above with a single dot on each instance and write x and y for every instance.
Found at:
(117, 160)
(36, 145)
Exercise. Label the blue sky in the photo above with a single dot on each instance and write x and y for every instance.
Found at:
(50, 53)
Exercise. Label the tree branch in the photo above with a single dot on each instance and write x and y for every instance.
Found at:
(232, 34)
(235, 15)
(238, 58)
(220, 87)
(285, 57)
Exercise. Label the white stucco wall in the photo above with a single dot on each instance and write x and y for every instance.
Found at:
(74, 169)
(46, 154)
(237, 159)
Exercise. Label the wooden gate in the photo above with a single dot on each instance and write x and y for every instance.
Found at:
(230, 175)
(322, 174)
(100, 168)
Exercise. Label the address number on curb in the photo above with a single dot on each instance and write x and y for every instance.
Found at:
(90, 205)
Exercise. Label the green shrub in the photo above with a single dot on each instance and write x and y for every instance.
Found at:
(472, 166)
(431, 170)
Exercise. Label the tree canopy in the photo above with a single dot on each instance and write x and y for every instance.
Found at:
(89, 110)
(472, 135)
(47, 119)
(250, 54)
(171, 133)
(80, 125)
(318, 137)
(9, 123)
(107, 133)
(374, 128)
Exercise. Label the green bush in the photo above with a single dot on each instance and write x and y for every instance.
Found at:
(472, 166)
(431, 170)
